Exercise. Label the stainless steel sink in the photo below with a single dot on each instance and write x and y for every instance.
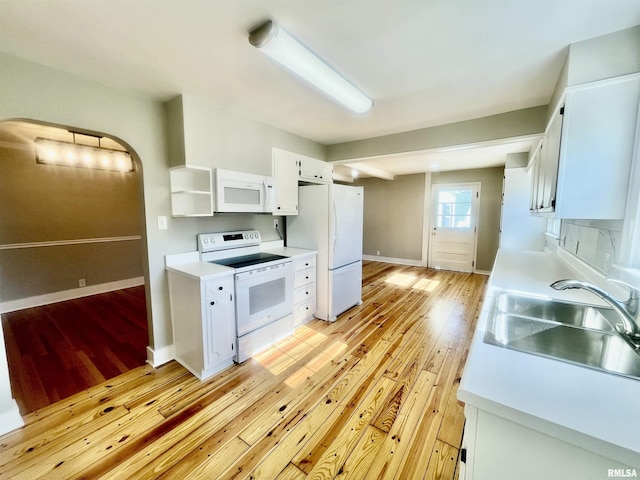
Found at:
(571, 332)
(576, 314)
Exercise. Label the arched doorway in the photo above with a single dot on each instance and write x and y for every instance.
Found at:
(72, 292)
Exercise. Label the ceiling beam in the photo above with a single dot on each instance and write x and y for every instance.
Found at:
(374, 172)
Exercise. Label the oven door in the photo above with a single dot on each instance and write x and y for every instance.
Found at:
(263, 295)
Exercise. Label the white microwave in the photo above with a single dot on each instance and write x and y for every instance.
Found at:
(239, 192)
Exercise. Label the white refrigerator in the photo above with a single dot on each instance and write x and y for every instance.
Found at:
(330, 221)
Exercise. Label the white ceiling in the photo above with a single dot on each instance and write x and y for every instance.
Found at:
(424, 62)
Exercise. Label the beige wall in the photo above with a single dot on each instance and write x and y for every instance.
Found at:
(203, 134)
(607, 56)
(490, 205)
(528, 121)
(44, 203)
(35, 92)
(393, 215)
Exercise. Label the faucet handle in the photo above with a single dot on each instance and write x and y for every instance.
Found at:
(634, 293)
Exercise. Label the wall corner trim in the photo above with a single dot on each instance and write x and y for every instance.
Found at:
(160, 356)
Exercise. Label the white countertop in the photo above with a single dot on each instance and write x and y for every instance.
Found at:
(189, 263)
(596, 411)
(290, 252)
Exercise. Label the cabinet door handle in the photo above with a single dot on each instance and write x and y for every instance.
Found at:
(220, 288)
(212, 303)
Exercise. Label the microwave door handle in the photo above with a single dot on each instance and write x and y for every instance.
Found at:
(265, 192)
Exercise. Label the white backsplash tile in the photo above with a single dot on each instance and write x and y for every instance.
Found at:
(594, 241)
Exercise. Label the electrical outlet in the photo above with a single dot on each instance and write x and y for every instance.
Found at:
(276, 223)
(377, 252)
(82, 282)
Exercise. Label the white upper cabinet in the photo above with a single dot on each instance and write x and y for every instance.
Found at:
(288, 170)
(582, 169)
(285, 182)
(191, 191)
(314, 171)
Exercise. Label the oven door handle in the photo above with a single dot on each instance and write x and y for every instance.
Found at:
(280, 269)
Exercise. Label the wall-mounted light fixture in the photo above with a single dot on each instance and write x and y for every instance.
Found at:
(284, 49)
(72, 154)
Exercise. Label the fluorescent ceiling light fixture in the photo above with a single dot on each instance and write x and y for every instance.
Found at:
(55, 152)
(284, 49)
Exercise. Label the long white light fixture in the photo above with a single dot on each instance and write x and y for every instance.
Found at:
(56, 152)
(271, 39)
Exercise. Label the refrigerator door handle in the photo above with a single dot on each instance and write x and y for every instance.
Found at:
(335, 228)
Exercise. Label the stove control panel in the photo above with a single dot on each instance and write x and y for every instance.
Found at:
(210, 242)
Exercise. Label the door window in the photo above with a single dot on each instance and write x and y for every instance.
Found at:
(454, 209)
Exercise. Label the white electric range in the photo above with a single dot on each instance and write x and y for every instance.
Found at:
(263, 287)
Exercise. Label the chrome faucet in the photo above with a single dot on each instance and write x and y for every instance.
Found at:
(628, 310)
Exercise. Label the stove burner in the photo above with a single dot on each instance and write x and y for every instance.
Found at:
(247, 260)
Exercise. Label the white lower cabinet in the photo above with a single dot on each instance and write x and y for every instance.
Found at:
(304, 300)
(494, 448)
(219, 329)
(203, 319)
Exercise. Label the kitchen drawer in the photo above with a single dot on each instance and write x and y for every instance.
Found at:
(304, 277)
(304, 311)
(304, 293)
(216, 287)
(308, 262)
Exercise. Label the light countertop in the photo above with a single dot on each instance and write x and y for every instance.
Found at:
(189, 263)
(594, 410)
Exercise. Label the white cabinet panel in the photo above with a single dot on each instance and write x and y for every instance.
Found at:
(314, 171)
(285, 182)
(305, 289)
(288, 170)
(599, 128)
(582, 169)
(203, 320)
(499, 449)
(191, 191)
(219, 332)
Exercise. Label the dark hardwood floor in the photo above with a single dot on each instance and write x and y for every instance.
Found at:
(370, 396)
(57, 350)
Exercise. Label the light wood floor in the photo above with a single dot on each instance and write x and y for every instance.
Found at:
(57, 350)
(372, 395)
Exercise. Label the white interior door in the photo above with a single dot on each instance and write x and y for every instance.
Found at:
(454, 222)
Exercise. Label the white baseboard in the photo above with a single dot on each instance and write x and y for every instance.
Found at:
(397, 261)
(13, 305)
(482, 272)
(11, 419)
(160, 356)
